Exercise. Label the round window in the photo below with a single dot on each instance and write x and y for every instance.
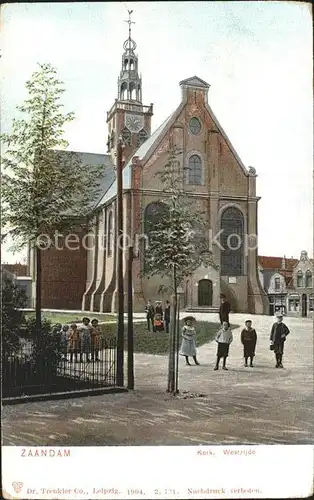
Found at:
(195, 126)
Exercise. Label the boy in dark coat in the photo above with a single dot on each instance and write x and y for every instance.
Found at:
(224, 310)
(248, 339)
(278, 336)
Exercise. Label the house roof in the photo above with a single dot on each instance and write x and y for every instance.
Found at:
(140, 153)
(275, 263)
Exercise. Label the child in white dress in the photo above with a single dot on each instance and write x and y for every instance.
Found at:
(188, 345)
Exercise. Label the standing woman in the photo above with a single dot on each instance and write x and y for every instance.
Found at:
(188, 345)
(278, 336)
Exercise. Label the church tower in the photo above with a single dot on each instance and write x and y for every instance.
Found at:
(128, 117)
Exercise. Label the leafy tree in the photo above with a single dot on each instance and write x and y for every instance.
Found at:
(13, 298)
(44, 190)
(177, 246)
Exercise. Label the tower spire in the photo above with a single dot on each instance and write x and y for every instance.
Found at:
(129, 82)
(130, 24)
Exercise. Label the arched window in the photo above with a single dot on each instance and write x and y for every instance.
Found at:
(123, 91)
(141, 137)
(195, 126)
(126, 136)
(125, 63)
(308, 279)
(131, 64)
(132, 91)
(232, 240)
(194, 171)
(300, 279)
(110, 234)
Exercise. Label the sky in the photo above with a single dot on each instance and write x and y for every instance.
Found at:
(256, 56)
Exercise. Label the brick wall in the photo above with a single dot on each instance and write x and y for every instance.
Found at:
(64, 277)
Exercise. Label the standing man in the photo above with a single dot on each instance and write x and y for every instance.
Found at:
(150, 313)
(167, 315)
(278, 336)
(224, 309)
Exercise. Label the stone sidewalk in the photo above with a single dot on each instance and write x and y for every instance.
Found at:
(260, 405)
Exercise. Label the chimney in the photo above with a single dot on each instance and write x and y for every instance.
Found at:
(283, 263)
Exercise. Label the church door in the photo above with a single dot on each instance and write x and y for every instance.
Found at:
(205, 293)
(304, 305)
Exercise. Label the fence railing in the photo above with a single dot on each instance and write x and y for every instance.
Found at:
(30, 370)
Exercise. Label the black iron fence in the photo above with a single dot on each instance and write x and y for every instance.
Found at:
(31, 369)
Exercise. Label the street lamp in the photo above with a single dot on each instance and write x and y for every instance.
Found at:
(131, 254)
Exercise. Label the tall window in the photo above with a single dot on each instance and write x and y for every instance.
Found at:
(195, 126)
(277, 284)
(308, 279)
(194, 170)
(232, 240)
(110, 234)
(300, 279)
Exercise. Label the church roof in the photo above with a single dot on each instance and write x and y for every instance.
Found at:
(94, 159)
(140, 153)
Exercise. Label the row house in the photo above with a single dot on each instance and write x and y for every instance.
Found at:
(288, 284)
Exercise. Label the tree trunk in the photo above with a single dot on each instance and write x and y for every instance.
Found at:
(38, 291)
(176, 388)
(171, 362)
(172, 343)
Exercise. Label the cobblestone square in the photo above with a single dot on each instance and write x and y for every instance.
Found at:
(260, 405)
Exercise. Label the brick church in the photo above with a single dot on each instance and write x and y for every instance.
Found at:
(216, 180)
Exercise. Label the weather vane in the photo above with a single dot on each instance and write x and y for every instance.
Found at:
(130, 22)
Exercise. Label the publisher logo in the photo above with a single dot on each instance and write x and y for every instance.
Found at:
(17, 486)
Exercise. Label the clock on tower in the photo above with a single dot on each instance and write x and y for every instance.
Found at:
(134, 122)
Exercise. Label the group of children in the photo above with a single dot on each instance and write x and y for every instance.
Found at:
(80, 341)
(224, 338)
